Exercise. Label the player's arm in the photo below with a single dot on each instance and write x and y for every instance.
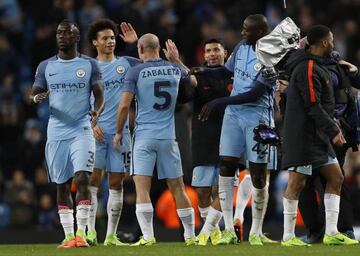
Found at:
(172, 54)
(97, 88)
(39, 89)
(122, 114)
(98, 91)
(125, 104)
(309, 86)
(255, 93)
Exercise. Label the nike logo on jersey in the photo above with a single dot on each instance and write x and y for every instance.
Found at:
(52, 74)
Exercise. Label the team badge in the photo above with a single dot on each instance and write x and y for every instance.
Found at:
(120, 69)
(257, 66)
(80, 72)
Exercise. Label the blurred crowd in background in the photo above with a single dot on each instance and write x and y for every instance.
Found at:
(27, 36)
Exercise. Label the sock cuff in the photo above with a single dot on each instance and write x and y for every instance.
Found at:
(63, 207)
(63, 211)
(204, 211)
(185, 212)
(331, 196)
(226, 181)
(290, 206)
(116, 193)
(214, 211)
(83, 202)
(93, 189)
(247, 176)
(147, 207)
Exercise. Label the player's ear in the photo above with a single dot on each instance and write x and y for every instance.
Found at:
(141, 48)
(94, 42)
(225, 53)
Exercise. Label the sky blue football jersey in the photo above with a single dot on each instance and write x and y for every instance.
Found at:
(155, 85)
(113, 74)
(69, 83)
(246, 67)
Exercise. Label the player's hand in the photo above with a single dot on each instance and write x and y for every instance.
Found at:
(94, 117)
(117, 141)
(98, 133)
(38, 98)
(339, 140)
(171, 52)
(206, 111)
(350, 68)
(281, 85)
(196, 71)
(128, 33)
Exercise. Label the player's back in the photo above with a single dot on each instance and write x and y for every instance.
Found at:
(156, 85)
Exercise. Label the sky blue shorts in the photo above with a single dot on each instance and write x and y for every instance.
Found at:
(165, 153)
(205, 176)
(66, 157)
(237, 138)
(110, 160)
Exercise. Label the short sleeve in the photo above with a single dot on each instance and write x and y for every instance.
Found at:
(230, 63)
(130, 80)
(132, 61)
(95, 73)
(40, 79)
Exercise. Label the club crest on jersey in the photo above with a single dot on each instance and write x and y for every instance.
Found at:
(80, 72)
(257, 66)
(120, 69)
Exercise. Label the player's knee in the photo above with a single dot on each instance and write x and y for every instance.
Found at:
(82, 179)
(116, 183)
(295, 186)
(63, 189)
(228, 168)
(95, 179)
(258, 180)
(204, 197)
(337, 181)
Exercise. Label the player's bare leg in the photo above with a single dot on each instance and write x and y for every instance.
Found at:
(83, 204)
(184, 208)
(66, 213)
(144, 210)
(114, 208)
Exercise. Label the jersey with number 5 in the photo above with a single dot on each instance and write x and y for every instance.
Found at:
(155, 85)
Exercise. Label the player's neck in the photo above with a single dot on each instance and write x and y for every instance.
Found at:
(150, 56)
(105, 56)
(68, 54)
(316, 51)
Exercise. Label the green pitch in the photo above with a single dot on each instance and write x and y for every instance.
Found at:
(173, 249)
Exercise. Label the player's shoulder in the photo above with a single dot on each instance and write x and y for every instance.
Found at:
(44, 63)
(84, 57)
(131, 61)
(242, 44)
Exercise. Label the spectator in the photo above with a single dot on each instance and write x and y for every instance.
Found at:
(19, 195)
(31, 148)
(47, 218)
